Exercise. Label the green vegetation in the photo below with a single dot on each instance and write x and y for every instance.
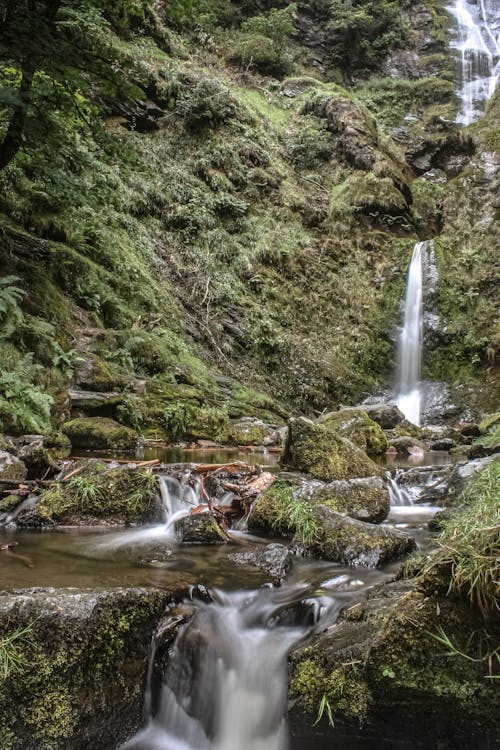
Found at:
(13, 648)
(468, 544)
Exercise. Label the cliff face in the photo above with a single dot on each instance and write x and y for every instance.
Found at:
(216, 218)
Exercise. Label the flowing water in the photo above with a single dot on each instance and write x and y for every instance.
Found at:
(478, 44)
(409, 394)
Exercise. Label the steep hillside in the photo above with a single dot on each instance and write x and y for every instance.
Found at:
(211, 206)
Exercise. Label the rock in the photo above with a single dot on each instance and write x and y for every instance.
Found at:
(117, 496)
(94, 374)
(199, 528)
(352, 542)
(252, 431)
(275, 559)
(58, 444)
(470, 430)
(444, 444)
(11, 467)
(365, 499)
(38, 460)
(385, 415)
(317, 450)
(476, 450)
(94, 403)
(7, 444)
(381, 660)
(100, 433)
(83, 661)
(356, 426)
(406, 445)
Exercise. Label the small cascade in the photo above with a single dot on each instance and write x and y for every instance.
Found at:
(409, 394)
(399, 496)
(178, 498)
(478, 45)
(224, 685)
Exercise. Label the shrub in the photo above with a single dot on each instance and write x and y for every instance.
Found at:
(259, 52)
(207, 103)
(23, 406)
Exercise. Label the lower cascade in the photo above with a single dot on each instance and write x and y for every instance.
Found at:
(224, 685)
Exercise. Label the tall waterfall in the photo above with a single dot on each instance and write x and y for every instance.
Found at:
(409, 394)
(478, 44)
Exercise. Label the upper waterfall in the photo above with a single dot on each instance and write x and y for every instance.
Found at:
(409, 394)
(479, 47)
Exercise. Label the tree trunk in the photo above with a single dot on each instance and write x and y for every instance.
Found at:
(14, 136)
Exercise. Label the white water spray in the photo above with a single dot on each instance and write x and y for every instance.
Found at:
(478, 44)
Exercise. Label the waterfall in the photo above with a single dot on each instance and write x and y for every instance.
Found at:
(178, 498)
(409, 395)
(399, 496)
(224, 685)
(479, 48)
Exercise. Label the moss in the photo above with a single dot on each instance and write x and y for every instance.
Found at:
(267, 515)
(489, 423)
(118, 495)
(98, 433)
(364, 500)
(8, 502)
(357, 426)
(317, 450)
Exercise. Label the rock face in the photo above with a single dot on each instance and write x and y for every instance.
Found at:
(356, 426)
(317, 450)
(82, 666)
(275, 559)
(11, 467)
(381, 660)
(352, 542)
(200, 528)
(99, 433)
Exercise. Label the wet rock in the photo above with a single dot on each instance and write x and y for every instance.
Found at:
(199, 528)
(99, 433)
(406, 445)
(317, 450)
(385, 415)
(275, 559)
(346, 540)
(356, 426)
(83, 661)
(444, 444)
(58, 444)
(38, 460)
(381, 660)
(11, 467)
(366, 499)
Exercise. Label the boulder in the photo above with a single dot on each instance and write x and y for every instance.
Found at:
(385, 415)
(199, 528)
(100, 433)
(366, 499)
(444, 444)
(274, 559)
(356, 426)
(252, 431)
(352, 542)
(406, 445)
(58, 444)
(38, 460)
(317, 450)
(117, 496)
(80, 667)
(11, 467)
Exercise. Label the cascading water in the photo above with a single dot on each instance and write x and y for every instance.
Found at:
(409, 394)
(479, 48)
(224, 685)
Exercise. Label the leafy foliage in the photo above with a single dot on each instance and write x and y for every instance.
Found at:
(11, 314)
(23, 405)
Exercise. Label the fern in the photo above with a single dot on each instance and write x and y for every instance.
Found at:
(23, 406)
(11, 315)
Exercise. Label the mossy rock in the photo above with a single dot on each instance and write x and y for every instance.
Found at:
(365, 499)
(37, 459)
(250, 431)
(115, 496)
(383, 661)
(317, 450)
(99, 433)
(81, 666)
(356, 426)
(352, 542)
(94, 374)
(268, 516)
(11, 467)
(58, 444)
(200, 528)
